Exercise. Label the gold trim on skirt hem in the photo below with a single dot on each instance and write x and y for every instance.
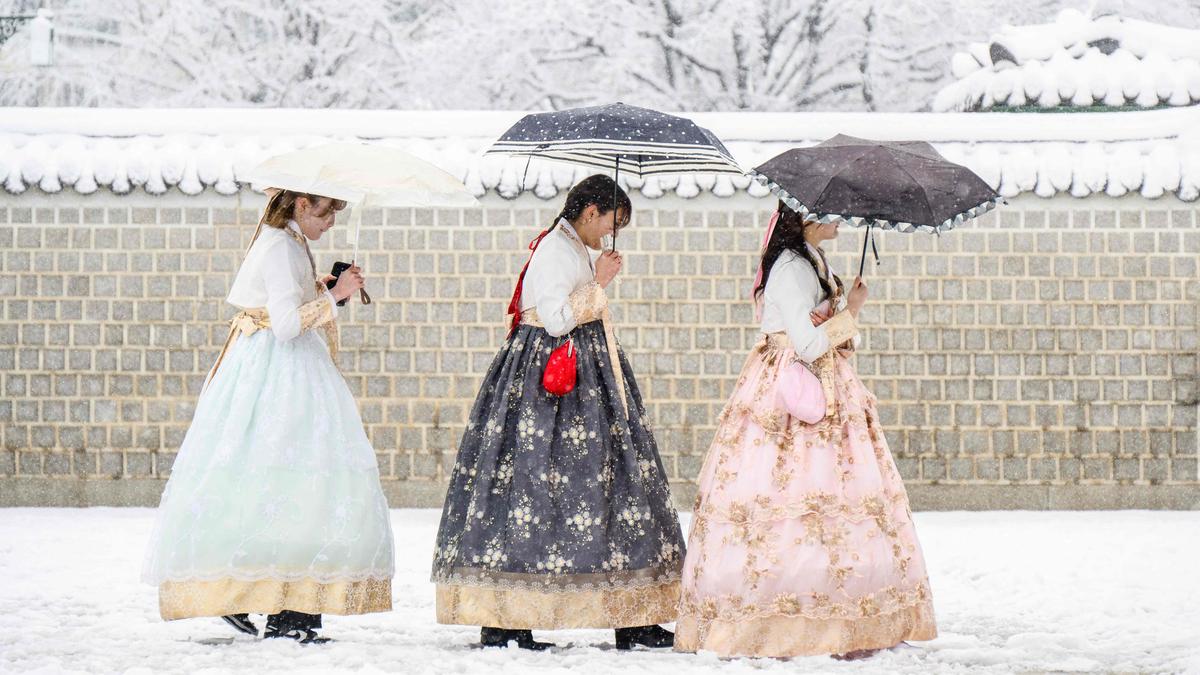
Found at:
(786, 636)
(186, 599)
(528, 610)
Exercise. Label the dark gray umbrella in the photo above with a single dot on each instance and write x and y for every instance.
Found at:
(902, 185)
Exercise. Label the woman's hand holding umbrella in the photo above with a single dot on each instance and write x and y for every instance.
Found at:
(857, 297)
(608, 265)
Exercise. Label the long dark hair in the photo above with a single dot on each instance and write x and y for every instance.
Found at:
(596, 189)
(789, 236)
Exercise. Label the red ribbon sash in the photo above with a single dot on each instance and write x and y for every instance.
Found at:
(514, 305)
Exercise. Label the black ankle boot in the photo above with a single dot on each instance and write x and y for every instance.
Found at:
(241, 623)
(296, 626)
(500, 637)
(654, 637)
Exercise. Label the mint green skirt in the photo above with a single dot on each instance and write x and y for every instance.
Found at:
(275, 482)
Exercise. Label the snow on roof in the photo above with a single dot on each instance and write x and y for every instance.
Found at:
(1077, 61)
(51, 149)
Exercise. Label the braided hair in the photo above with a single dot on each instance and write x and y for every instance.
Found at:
(789, 236)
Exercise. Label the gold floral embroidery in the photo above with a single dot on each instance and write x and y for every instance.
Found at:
(588, 303)
(186, 599)
(787, 635)
(526, 609)
(561, 579)
(821, 506)
(819, 606)
(315, 313)
(840, 328)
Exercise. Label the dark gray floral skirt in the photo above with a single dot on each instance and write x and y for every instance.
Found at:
(558, 513)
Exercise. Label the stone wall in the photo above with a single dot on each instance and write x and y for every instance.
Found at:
(1042, 357)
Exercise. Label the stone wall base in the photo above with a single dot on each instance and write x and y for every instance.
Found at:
(23, 491)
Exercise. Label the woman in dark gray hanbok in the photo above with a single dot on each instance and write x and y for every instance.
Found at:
(558, 513)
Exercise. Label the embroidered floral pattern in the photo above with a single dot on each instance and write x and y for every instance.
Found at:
(587, 303)
(315, 313)
(555, 499)
(802, 541)
(840, 328)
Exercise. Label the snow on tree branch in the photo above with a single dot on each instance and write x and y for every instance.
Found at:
(699, 55)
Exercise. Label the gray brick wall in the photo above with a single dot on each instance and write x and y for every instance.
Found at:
(1043, 356)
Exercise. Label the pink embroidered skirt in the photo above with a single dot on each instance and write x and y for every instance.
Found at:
(802, 541)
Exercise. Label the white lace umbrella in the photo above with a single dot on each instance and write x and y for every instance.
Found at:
(363, 175)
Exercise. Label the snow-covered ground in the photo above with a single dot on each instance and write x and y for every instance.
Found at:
(1014, 592)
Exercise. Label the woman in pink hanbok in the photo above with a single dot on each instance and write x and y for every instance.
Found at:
(802, 541)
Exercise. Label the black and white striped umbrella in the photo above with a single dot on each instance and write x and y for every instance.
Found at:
(622, 137)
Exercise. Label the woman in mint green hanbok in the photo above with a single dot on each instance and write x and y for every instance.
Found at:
(274, 505)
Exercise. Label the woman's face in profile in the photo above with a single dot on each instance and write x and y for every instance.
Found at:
(315, 218)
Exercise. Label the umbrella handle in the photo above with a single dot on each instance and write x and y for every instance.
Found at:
(616, 187)
(862, 259)
(355, 225)
(528, 159)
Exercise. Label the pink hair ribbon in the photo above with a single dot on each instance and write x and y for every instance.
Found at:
(758, 310)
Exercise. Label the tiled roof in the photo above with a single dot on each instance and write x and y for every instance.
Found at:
(87, 150)
(1077, 61)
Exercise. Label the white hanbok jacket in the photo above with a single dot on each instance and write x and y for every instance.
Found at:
(561, 282)
(793, 291)
(279, 275)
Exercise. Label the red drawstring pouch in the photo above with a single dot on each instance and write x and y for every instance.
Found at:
(559, 376)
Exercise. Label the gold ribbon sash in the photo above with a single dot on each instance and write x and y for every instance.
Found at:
(250, 321)
(245, 322)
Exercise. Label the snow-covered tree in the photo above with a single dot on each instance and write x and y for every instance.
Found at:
(311, 53)
(749, 55)
(518, 54)
(898, 66)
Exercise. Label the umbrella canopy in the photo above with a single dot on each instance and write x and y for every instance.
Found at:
(621, 137)
(359, 173)
(363, 174)
(902, 185)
